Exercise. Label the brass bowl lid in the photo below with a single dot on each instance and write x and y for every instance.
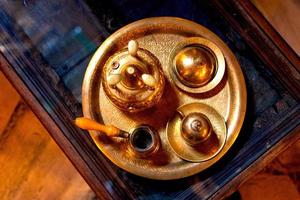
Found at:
(208, 148)
(194, 66)
(197, 65)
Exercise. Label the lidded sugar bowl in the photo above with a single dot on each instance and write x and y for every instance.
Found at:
(133, 79)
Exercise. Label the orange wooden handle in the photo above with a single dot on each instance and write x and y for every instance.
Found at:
(89, 124)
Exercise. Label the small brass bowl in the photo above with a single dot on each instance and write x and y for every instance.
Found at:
(197, 65)
(143, 141)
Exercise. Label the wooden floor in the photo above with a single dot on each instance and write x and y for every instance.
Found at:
(283, 15)
(31, 164)
(280, 180)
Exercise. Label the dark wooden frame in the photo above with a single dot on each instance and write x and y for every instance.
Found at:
(85, 156)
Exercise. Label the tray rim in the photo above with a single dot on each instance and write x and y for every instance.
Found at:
(193, 28)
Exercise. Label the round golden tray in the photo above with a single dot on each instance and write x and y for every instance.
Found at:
(160, 35)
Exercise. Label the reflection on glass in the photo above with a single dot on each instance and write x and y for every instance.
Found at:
(62, 31)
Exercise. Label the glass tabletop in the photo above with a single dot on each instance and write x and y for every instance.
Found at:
(61, 36)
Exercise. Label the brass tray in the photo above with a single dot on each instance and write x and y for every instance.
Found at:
(160, 35)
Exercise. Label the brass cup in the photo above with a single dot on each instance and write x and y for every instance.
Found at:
(144, 141)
